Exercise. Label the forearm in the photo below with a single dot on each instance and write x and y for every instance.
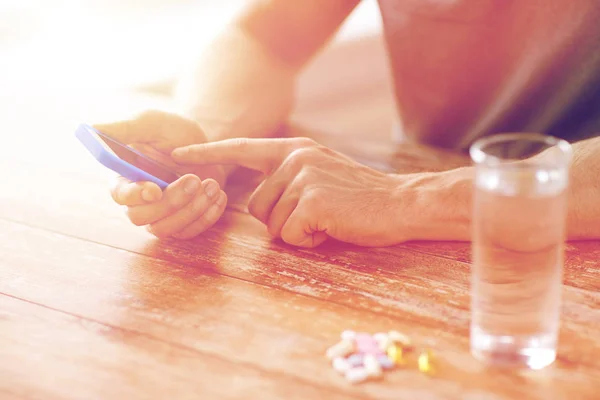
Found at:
(242, 85)
(237, 89)
(436, 205)
(441, 203)
(584, 191)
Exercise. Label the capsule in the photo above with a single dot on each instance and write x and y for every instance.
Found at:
(426, 362)
(348, 335)
(341, 365)
(372, 366)
(396, 354)
(384, 343)
(356, 360)
(356, 375)
(380, 336)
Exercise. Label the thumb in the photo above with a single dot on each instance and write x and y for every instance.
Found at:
(297, 231)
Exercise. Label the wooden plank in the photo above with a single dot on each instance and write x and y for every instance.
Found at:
(194, 307)
(414, 282)
(582, 259)
(53, 355)
(89, 213)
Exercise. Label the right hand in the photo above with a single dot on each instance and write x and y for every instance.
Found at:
(188, 206)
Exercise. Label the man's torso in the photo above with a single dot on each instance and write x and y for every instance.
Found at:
(467, 68)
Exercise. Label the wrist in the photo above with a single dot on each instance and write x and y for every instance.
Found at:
(435, 206)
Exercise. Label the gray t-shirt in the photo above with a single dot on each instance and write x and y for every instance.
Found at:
(463, 69)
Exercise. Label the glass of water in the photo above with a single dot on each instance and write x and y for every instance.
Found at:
(519, 231)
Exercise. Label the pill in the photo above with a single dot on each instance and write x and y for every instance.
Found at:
(366, 344)
(348, 335)
(395, 354)
(340, 349)
(385, 343)
(385, 362)
(356, 375)
(356, 360)
(426, 362)
(341, 364)
(400, 338)
(372, 365)
(380, 336)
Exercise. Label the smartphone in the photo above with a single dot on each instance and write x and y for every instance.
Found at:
(123, 159)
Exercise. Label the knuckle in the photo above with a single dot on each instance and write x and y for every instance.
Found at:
(313, 199)
(304, 178)
(304, 142)
(300, 157)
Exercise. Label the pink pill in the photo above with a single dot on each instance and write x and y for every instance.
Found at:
(361, 336)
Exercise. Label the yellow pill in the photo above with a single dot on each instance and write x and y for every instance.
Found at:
(426, 362)
(395, 354)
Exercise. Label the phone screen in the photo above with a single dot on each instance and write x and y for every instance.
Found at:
(137, 159)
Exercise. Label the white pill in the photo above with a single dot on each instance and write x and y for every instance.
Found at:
(372, 365)
(385, 343)
(340, 349)
(348, 335)
(356, 375)
(380, 336)
(399, 338)
(341, 365)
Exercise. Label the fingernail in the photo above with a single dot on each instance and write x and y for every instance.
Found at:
(211, 189)
(147, 195)
(191, 186)
(178, 152)
(221, 200)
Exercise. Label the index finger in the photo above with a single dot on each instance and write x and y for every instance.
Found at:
(263, 155)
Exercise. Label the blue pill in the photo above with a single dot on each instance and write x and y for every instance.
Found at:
(356, 360)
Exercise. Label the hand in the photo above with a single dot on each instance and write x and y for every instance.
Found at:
(189, 205)
(310, 192)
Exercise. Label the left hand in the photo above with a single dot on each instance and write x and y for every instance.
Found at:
(310, 192)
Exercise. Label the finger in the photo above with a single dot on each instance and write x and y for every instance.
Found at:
(279, 191)
(259, 154)
(297, 231)
(176, 196)
(125, 131)
(265, 197)
(193, 211)
(206, 221)
(127, 193)
(154, 154)
(136, 129)
(281, 213)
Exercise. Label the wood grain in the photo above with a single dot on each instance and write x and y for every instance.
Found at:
(93, 307)
(47, 354)
(195, 307)
(159, 288)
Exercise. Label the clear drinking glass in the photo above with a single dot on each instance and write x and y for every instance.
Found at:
(519, 229)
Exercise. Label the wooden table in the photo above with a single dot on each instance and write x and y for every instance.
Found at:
(92, 307)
